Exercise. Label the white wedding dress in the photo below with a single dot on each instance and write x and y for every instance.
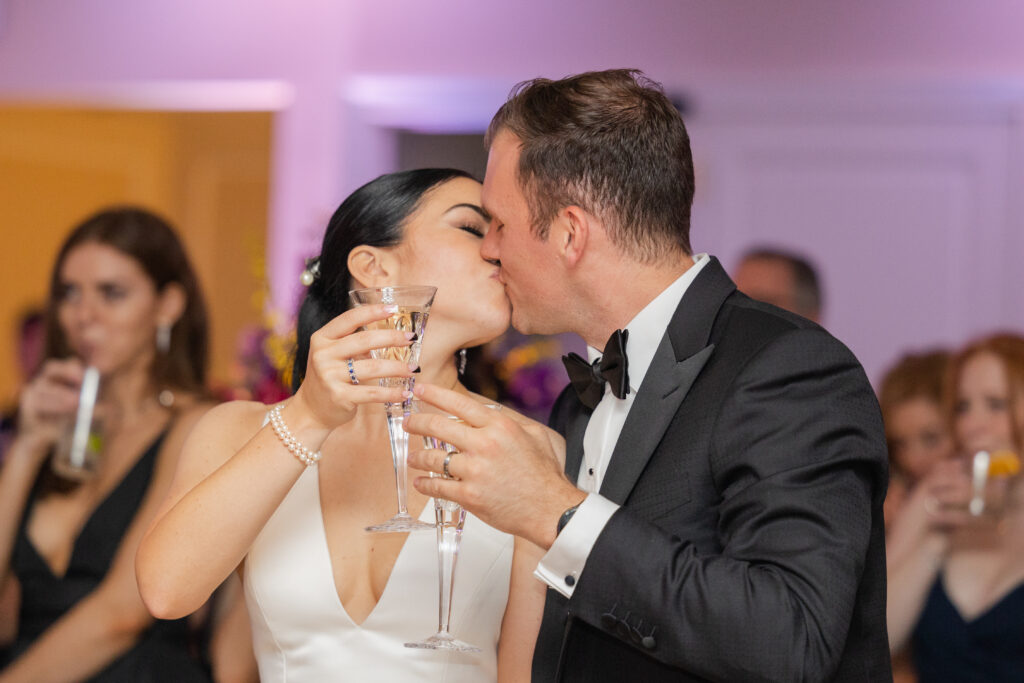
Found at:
(302, 633)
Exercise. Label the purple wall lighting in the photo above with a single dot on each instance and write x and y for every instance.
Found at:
(883, 139)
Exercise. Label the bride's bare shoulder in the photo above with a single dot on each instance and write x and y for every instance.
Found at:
(234, 420)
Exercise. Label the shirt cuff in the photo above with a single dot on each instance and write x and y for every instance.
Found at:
(562, 565)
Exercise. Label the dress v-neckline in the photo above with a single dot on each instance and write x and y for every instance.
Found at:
(330, 560)
(91, 518)
(985, 613)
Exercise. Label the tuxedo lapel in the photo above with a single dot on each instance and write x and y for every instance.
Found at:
(680, 357)
(657, 402)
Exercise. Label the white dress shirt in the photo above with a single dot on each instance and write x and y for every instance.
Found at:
(562, 565)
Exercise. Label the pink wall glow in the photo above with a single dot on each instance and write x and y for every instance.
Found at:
(683, 39)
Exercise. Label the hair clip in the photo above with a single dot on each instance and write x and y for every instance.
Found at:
(311, 272)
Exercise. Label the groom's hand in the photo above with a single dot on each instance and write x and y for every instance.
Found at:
(506, 471)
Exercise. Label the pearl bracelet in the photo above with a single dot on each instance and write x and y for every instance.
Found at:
(291, 443)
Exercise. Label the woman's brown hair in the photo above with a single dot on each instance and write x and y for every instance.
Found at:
(150, 241)
(915, 375)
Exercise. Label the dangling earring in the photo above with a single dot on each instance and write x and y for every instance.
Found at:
(163, 338)
(462, 361)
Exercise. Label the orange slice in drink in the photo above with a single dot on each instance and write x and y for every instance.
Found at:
(1004, 464)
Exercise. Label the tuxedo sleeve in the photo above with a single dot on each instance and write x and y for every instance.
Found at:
(797, 454)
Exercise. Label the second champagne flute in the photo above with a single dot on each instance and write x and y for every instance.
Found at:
(413, 304)
(451, 518)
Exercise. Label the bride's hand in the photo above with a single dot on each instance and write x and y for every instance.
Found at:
(340, 350)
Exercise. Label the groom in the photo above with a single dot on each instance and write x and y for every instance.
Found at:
(719, 516)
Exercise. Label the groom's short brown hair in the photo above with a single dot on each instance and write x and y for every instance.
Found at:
(611, 143)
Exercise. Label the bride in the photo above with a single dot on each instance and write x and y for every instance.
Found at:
(327, 600)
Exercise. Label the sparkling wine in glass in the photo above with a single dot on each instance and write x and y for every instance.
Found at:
(413, 304)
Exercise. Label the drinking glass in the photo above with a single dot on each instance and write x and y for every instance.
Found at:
(991, 476)
(451, 517)
(76, 454)
(413, 304)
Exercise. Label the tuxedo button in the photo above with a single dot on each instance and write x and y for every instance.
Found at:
(570, 580)
(648, 642)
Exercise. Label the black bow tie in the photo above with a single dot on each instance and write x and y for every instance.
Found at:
(588, 380)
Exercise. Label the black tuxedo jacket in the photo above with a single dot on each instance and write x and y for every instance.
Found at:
(749, 543)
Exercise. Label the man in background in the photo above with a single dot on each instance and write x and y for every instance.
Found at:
(781, 278)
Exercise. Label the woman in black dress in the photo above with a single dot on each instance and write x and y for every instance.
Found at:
(124, 299)
(956, 580)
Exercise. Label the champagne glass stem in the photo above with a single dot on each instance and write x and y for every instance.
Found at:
(450, 520)
(399, 438)
(396, 414)
(399, 452)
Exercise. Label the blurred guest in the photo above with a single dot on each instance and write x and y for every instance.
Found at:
(956, 580)
(29, 347)
(918, 436)
(123, 299)
(915, 425)
(782, 279)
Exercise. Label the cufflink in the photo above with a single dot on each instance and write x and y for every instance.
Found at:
(570, 580)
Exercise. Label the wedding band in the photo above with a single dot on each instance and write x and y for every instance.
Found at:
(448, 459)
(352, 372)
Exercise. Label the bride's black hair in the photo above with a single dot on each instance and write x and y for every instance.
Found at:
(373, 215)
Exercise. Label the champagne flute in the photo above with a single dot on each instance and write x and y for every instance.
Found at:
(413, 303)
(451, 517)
